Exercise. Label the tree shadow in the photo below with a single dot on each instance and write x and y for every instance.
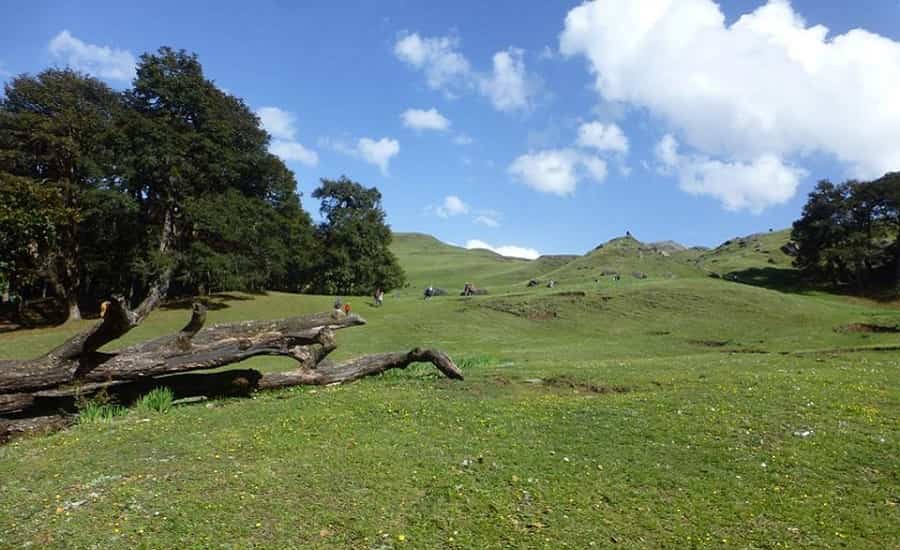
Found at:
(773, 278)
(792, 281)
(213, 302)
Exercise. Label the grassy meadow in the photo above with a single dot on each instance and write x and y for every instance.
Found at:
(674, 411)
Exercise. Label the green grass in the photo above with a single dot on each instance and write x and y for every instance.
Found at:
(158, 400)
(682, 412)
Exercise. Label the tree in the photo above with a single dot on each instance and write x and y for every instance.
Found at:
(354, 257)
(210, 193)
(58, 129)
(34, 218)
(850, 233)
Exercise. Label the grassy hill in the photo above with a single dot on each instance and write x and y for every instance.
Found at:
(664, 412)
(428, 261)
(754, 259)
(626, 256)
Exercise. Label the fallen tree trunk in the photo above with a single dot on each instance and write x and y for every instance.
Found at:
(77, 370)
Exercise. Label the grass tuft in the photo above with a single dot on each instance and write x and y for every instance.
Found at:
(94, 412)
(158, 400)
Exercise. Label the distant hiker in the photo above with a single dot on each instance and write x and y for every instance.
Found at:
(338, 303)
(347, 309)
(379, 297)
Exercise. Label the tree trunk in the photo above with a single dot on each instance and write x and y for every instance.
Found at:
(74, 311)
(897, 260)
(76, 369)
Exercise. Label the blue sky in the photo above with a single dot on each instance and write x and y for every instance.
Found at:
(547, 126)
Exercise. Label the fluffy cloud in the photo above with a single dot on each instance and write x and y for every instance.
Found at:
(506, 250)
(556, 171)
(100, 61)
(279, 123)
(602, 137)
(419, 119)
(509, 86)
(753, 185)
(378, 152)
(444, 68)
(281, 126)
(452, 206)
(757, 91)
(293, 151)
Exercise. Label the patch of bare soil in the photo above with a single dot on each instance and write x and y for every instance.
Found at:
(709, 343)
(867, 328)
(541, 315)
(569, 382)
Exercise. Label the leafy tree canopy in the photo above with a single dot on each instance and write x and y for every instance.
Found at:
(354, 257)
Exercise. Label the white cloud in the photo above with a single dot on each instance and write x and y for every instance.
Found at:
(444, 68)
(602, 137)
(281, 126)
(556, 171)
(419, 119)
(378, 152)
(100, 61)
(595, 166)
(509, 87)
(452, 206)
(374, 152)
(293, 151)
(506, 250)
(279, 123)
(489, 218)
(755, 92)
(753, 185)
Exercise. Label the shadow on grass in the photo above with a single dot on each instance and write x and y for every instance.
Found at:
(791, 280)
(213, 302)
(774, 278)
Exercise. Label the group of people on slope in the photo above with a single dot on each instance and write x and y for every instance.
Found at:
(378, 296)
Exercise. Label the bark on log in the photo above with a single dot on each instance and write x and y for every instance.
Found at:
(77, 369)
(360, 367)
(213, 347)
(10, 429)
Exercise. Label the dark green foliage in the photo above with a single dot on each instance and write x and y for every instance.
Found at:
(241, 243)
(213, 197)
(850, 233)
(58, 129)
(354, 257)
(34, 218)
(103, 191)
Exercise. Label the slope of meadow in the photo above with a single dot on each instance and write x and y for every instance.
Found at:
(665, 412)
(428, 261)
(626, 256)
